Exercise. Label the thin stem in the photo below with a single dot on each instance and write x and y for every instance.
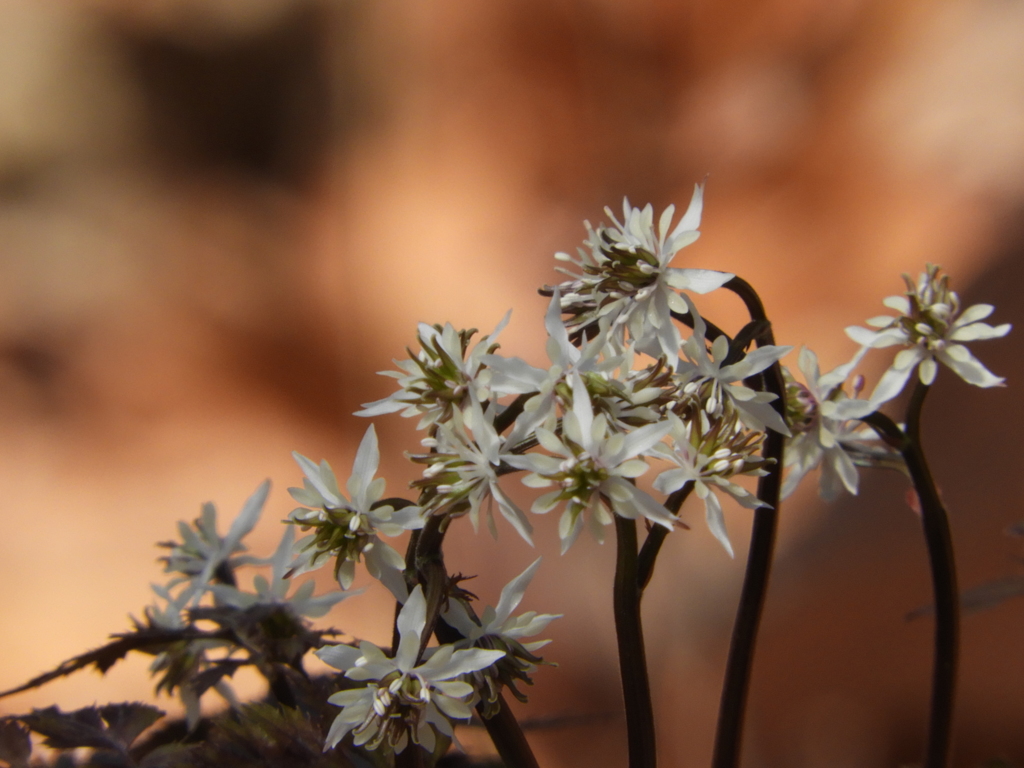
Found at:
(636, 689)
(711, 331)
(507, 417)
(508, 737)
(410, 581)
(735, 689)
(431, 573)
(935, 522)
(656, 537)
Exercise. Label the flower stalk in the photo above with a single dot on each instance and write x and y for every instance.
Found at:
(729, 733)
(636, 688)
(939, 540)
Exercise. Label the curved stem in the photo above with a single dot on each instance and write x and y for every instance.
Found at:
(729, 734)
(711, 331)
(507, 417)
(431, 573)
(508, 737)
(656, 537)
(636, 689)
(935, 522)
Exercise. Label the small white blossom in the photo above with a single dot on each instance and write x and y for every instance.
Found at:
(498, 629)
(202, 551)
(462, 472)
(592, 467)
(441, 377)
(403, 700)
(627, 279)
(348, 528)
(516, 376)
(275, 591)
(822, 439)
(725, 381)
(498, 622)
(707, 453)
(932, 327)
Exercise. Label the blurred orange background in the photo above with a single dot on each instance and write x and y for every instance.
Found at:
(219, 219)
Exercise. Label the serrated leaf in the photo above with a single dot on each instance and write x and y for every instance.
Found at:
(70, 730)
(126, 721)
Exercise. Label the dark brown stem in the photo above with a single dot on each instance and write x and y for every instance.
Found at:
(431, 572)
(410, 582)
(636, 689)
(939, 539)
(505, 419)
(411, 757)
(508, 737)
(711, 331)
(656, 537)
(729, 734)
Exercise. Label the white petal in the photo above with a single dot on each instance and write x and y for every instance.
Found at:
(888, 387)
(900, 303)
(513, 593)
(716, 521)
(691, 219)
(380, 407)
(248, 517)
(844, 469)
(979, 332)
(643, 439)
(367, 459)
(968, 367)
(754, 361)
(312, 473)
(455, 709)
(974, 313)
(411, 620)
(583, 410)
(341, 657)
(461, 663)
(927, 370)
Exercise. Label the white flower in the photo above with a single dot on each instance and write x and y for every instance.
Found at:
(700, 369)
(498, 622)
(497, 629)
(202, 552)
(441, 376)
(820, 438)
(708, 452)
(349, 528)
(275, 591)
(462, 474)
(515, 376)
(403, 700)
(592, 468)
(626, 277)
(932, 328)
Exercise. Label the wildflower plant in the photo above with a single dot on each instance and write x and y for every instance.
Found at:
(645, 402)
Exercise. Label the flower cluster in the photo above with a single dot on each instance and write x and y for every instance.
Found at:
(404, 699)
(642, 403)
(932, 330)
(191, 661)
(497, 629)
(626, 279)
(347, 528)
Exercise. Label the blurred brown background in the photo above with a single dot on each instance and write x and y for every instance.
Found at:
(218, 219)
